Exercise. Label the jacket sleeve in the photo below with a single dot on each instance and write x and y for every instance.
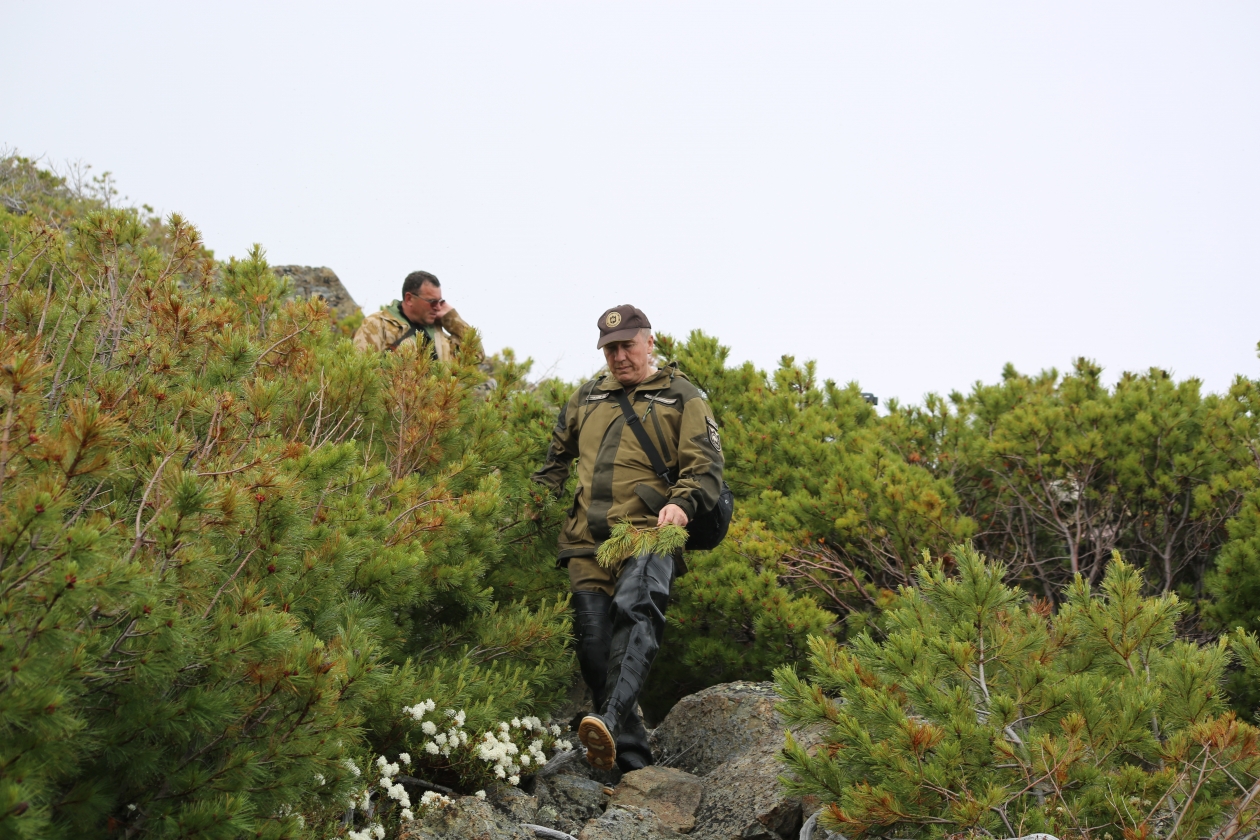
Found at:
(461, 333)
(699, 460)
(455, 325)
(563, 448)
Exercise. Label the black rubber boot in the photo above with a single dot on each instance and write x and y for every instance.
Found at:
(633, 752)
(638, 625)
(592, 631)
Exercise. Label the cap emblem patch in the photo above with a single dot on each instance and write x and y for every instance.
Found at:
(613, 319)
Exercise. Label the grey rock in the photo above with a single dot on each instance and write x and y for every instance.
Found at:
(548, 815)
(322, 282)
(716, 725)
(515, 803)
(468, 818)
(743, 797)
(671, 794)
(574, 763)
(731, 736)
(628, 823)
(811, 830)
(573, 799)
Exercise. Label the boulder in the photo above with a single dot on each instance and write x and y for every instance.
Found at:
(573, 763)
(567, 801)
(322, 282)
(467, 818)
(628, 823)
(731, 736)
(715, 725)
(515, 803)
(671, 794)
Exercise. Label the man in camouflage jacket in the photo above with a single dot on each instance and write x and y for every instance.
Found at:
(619, 613)
(422, 315)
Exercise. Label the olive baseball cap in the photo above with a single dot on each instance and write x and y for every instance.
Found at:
(621, 323)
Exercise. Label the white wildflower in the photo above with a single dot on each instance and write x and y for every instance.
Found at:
(404, 758)
(525, 759)
(514, 780)
(131, 807)
(431, 748)
(399, 794)
(430, 704)
(500, 773)
(459, 718)
(428, 727)
(352, 767)
(481, 794)
(407, 815)
(555, 730)
(378, 831)
(441, 739)
(516, 723)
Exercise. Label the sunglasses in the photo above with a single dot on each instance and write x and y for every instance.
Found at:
(432, 301)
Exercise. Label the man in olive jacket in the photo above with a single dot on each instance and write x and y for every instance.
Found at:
(619, 613)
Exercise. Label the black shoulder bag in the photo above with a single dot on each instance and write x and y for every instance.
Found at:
(708, 527)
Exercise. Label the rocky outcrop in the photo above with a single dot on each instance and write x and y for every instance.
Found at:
(715, 725)
(468, 818)
(319, 282)
(629, 823)
(673, 795)
(717, 779)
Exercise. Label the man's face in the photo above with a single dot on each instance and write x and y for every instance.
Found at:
(422, 307)
(630, 362)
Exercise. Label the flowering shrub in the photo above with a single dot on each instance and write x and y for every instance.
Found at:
(501, 755)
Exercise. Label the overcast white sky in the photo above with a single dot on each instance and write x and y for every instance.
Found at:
(911, 193)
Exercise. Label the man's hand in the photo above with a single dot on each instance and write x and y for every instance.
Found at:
(671, 515)
(441, 309)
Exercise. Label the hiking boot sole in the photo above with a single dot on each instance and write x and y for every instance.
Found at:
(601, 746)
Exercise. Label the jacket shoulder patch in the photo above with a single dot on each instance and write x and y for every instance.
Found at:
(593, 397)
(714, 437)
(661, 400)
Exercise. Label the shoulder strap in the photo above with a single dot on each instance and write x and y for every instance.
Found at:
(632, 420)
(408, 334)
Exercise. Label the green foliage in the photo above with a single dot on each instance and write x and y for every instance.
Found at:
(1061, 471)
(730, 618)
(625, 540)
(232, 548)
(979, 709)
(809, 462)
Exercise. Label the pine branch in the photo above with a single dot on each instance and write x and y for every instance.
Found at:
(628, 541)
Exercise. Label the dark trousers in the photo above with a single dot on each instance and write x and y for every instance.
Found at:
(632, 621)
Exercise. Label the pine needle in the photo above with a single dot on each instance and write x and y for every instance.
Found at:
(629, 541)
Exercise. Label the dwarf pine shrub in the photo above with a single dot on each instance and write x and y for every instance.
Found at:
(232, 548)
(978, 710)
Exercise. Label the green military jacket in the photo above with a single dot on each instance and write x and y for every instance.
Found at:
(615, 477)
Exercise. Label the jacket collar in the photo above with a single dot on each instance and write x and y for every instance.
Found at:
(656, 382)
(394, 310)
